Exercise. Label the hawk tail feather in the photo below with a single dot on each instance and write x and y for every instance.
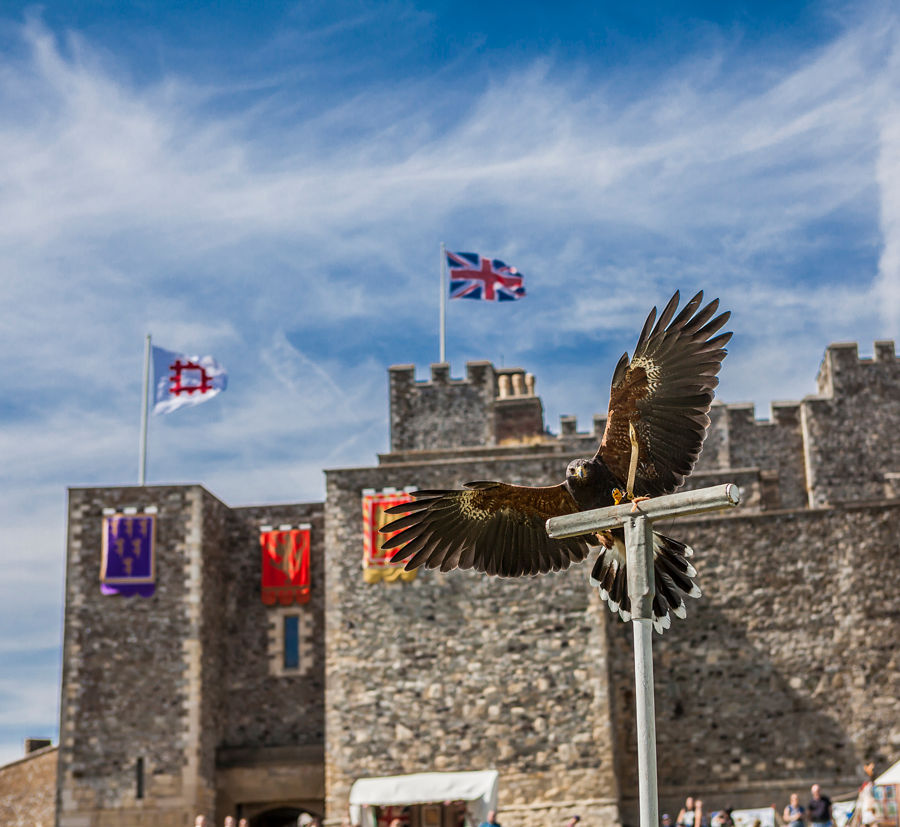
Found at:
(673, 575)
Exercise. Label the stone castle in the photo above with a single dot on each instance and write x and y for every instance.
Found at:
(785, 673)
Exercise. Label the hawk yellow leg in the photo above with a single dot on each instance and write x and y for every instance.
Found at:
(632, 469)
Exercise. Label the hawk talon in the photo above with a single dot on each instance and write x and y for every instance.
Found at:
(618, 495)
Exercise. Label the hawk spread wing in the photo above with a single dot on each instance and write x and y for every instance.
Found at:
(492, 527)
(665, 392)
(659, 399)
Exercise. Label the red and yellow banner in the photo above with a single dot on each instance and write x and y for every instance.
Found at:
(377, 565)
(285, 565)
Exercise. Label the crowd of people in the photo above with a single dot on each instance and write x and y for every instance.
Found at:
(817, 813)
(229, 821)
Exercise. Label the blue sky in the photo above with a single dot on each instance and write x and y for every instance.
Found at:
(270, 183)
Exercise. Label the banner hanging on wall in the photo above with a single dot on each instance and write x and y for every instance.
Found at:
(128, 562)
(377, 565)
(285, 564)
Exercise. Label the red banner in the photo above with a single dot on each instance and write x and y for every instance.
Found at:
(377, 565)
(285, 565)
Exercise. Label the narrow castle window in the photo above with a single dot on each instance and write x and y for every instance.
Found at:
(291, 648)
(289, 641)
(139, 778)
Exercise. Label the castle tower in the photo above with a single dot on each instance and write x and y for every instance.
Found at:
(851, 428)
(185, 701)
(141, 676)
(491, 406)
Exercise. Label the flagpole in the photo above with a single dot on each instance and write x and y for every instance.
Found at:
(142, 464)
(443, 304)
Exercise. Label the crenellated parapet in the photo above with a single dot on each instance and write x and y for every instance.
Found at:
(851, 429)
(842, 372)
(490, 406)
(441, 412)
(839, 445)
(772, 447)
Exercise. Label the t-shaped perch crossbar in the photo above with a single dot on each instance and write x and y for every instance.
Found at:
(637, 521)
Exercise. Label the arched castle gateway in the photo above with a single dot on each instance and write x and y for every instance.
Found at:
(204, 698)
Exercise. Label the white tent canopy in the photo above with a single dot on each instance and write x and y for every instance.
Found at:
(890, 776)
(479, 789)
(745, 818)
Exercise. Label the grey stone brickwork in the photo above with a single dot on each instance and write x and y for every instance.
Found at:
(115, 708)
(473, 672)
(785, 672)
(180, 679)
(262, 712)
(557, 754)
(27, 790)
(491, 406)
(749, 688)
(851, 430)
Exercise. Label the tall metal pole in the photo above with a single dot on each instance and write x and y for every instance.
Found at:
(641, 588)
(443, 305)
(638, 527)
(145, 393)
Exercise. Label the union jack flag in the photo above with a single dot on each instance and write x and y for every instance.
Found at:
(474, 277)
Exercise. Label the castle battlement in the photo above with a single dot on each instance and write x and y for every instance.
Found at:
(850, 429)
(505, 383)
(490, 406)
(843, 371)
(479, 375)
(781, 412)
(839, 445)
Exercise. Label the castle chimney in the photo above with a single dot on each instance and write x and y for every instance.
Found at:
(529, 383)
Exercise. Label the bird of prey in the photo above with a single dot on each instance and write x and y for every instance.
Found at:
(657, 421)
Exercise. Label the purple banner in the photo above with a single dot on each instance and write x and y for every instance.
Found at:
(128, 566)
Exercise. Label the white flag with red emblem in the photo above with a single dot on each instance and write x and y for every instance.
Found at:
(180, 380)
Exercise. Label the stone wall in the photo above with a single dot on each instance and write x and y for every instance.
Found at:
(786, 672)
(263, 710)
(28, 790)
(775, 446)
(209, 552)
(460, 671)
(270, 753)
(491, 406)
(182, 678)
(783, 674)
(130, 666)
(850, 430)
(838, 446)
(750, 686)
(442, 412)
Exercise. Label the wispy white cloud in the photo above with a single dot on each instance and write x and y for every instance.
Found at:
(300, 247)
(887, 285)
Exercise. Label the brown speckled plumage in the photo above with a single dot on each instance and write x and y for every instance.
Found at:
(664, 391)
